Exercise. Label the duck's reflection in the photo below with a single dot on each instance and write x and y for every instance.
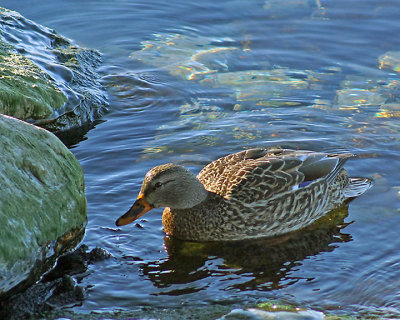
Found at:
(244, 265)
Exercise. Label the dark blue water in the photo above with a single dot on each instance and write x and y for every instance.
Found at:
(190, 81)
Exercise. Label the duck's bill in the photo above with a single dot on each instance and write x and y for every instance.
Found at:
(139, 208)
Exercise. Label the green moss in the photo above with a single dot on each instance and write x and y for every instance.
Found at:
(26, 92)
(48, 81)
(41, 197)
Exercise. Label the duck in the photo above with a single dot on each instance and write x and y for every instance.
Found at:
(254, 193)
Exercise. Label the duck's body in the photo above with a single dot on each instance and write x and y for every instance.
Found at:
(251, 194)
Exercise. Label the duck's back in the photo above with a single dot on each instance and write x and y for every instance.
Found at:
(257, 174)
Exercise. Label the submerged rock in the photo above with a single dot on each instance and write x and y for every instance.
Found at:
(277, 9)
(57, 289)
(389, 110)
(44, 78)
(186, 56)
(365, 93)
(278, 311)
(254, 89)
(256, 314)
(42, 203)
(355, 98)
(390, 61)
(228, 65)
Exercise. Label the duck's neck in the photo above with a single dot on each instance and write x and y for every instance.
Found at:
(186, 193)
(197, 194)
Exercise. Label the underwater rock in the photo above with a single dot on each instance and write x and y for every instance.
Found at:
(390, 61)
(362, 93)
(256, 314)
(57, 289)
(277, 9)
(44, 78)
(355, 98)
(389, 110)
(41, 298)
(192, 57)
(228, 65)
(42, 203)
(254, 89)
(189, 57)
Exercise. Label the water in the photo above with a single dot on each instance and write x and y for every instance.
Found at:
(158, 115)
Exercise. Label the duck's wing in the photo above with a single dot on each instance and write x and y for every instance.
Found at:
(255, 173)
(259, 174)
(211, 173)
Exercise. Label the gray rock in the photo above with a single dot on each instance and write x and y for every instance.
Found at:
(56, 289)
(42, 203)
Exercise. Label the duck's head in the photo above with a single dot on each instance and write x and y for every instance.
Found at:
(168, 185)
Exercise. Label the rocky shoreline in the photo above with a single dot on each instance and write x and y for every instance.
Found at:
(46, 81)
(57, 288)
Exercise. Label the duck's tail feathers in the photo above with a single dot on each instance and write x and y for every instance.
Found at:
(356, 187)
(341, 159)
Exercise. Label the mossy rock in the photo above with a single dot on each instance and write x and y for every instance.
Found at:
(26, 92)
(42, 202)
(45, 79)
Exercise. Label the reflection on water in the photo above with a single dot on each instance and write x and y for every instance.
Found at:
(249, 265)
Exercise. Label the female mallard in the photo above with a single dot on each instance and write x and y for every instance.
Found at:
(246, 195)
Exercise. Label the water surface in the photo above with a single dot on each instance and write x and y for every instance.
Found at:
(160, 111)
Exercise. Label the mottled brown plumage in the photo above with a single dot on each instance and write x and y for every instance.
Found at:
(250, 194)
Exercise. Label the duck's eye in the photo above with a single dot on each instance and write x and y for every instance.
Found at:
(157, 185)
